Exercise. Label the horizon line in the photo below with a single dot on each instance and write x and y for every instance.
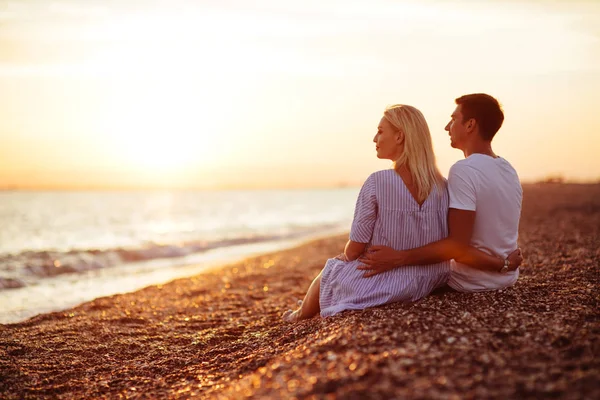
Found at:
(343, 185)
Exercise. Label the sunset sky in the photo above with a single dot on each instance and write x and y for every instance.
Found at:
(283, 93)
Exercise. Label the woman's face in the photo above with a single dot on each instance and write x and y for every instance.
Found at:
(388, 141)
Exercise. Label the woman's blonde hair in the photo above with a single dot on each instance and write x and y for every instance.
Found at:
(418, 156)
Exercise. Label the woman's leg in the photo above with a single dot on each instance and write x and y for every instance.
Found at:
(310, 305)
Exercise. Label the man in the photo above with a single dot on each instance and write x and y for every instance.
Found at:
(485, 207)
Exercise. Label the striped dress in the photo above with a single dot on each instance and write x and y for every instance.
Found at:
(387, 214)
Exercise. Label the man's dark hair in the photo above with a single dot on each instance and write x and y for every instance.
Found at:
(484, 109)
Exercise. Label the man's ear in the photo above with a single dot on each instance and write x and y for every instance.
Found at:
(471, 123)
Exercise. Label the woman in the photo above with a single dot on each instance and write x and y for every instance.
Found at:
(404, 207)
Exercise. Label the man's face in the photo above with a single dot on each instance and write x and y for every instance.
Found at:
(457, 129)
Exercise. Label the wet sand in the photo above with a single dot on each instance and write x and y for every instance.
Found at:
(219, 334)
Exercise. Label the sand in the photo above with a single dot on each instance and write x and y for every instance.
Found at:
(219, 334)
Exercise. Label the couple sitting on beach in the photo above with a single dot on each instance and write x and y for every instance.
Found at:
(414, 232)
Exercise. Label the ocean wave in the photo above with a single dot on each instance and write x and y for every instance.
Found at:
(19, 270)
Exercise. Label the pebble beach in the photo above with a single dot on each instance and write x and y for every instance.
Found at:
(220, 334)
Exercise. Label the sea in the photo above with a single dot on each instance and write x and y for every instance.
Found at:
(60, 249)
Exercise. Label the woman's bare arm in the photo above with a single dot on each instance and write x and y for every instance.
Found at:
(353, 250)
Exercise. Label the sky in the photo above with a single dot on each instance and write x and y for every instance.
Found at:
(238, 94)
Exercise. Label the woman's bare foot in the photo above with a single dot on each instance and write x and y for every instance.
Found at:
(291, 315)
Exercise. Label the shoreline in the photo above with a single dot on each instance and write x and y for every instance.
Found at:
(220, 335)
(68, 291)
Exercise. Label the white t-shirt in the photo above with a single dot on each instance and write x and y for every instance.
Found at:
(490, 187)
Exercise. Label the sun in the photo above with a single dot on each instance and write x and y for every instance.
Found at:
(163, 146)
(166, 128)
(171, 95)
(166, 154)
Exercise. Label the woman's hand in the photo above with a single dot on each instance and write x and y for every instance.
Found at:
(379, 259)
(515, 259)
(341, 257)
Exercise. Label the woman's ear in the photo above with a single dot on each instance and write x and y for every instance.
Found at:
(399, 137)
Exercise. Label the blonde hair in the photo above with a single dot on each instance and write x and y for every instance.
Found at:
(418, 156)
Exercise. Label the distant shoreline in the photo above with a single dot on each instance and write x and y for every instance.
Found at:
(161, 189)
(549, 181)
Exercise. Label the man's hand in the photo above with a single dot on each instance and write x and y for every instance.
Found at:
(379, 259)
(515, 258)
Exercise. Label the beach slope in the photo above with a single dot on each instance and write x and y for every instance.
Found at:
(219, 334)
